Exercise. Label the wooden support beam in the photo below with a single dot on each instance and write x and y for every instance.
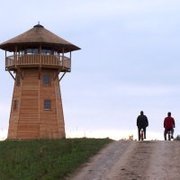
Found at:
(12, 75)
(62, 76)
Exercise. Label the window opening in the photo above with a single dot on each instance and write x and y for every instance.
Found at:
(46, 79)
(15, 104)
(17, 80)
(47, 104)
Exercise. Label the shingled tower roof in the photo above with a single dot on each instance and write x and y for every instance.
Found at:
(36, 37)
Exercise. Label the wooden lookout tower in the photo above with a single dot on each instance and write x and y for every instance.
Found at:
(37, 60)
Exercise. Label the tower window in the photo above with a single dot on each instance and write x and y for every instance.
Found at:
(46, 79)
(46, 51)
(17, 80)
(47, 104)
(32, 51)
(15, 105)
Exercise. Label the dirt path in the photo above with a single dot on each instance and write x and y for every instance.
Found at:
(130, 160)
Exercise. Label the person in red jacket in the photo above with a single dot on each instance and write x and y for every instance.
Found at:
(169, 125)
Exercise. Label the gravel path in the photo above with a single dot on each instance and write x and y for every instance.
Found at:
(130, 160)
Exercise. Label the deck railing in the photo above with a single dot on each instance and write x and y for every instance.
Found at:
(38, 60)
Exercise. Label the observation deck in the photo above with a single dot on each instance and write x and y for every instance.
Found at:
(63, 63)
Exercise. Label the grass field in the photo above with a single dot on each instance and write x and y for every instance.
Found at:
(45, 159)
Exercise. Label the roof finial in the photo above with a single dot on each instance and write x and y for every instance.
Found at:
(38, 25)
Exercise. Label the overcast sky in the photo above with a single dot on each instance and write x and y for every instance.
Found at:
(129, 61)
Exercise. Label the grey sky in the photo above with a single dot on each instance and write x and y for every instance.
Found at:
(129, 60)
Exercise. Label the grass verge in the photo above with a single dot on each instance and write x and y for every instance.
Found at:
(45, 159)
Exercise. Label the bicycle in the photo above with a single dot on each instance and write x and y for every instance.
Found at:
(141, 134)
(169, 133)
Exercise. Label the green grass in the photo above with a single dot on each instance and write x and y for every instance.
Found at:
(45, 159)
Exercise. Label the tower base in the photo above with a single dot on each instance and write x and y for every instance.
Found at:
(36, 110)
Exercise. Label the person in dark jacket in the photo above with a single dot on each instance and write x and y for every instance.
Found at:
(169, 125)
(142, 123)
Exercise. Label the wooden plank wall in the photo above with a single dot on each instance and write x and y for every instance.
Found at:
(29, 120)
